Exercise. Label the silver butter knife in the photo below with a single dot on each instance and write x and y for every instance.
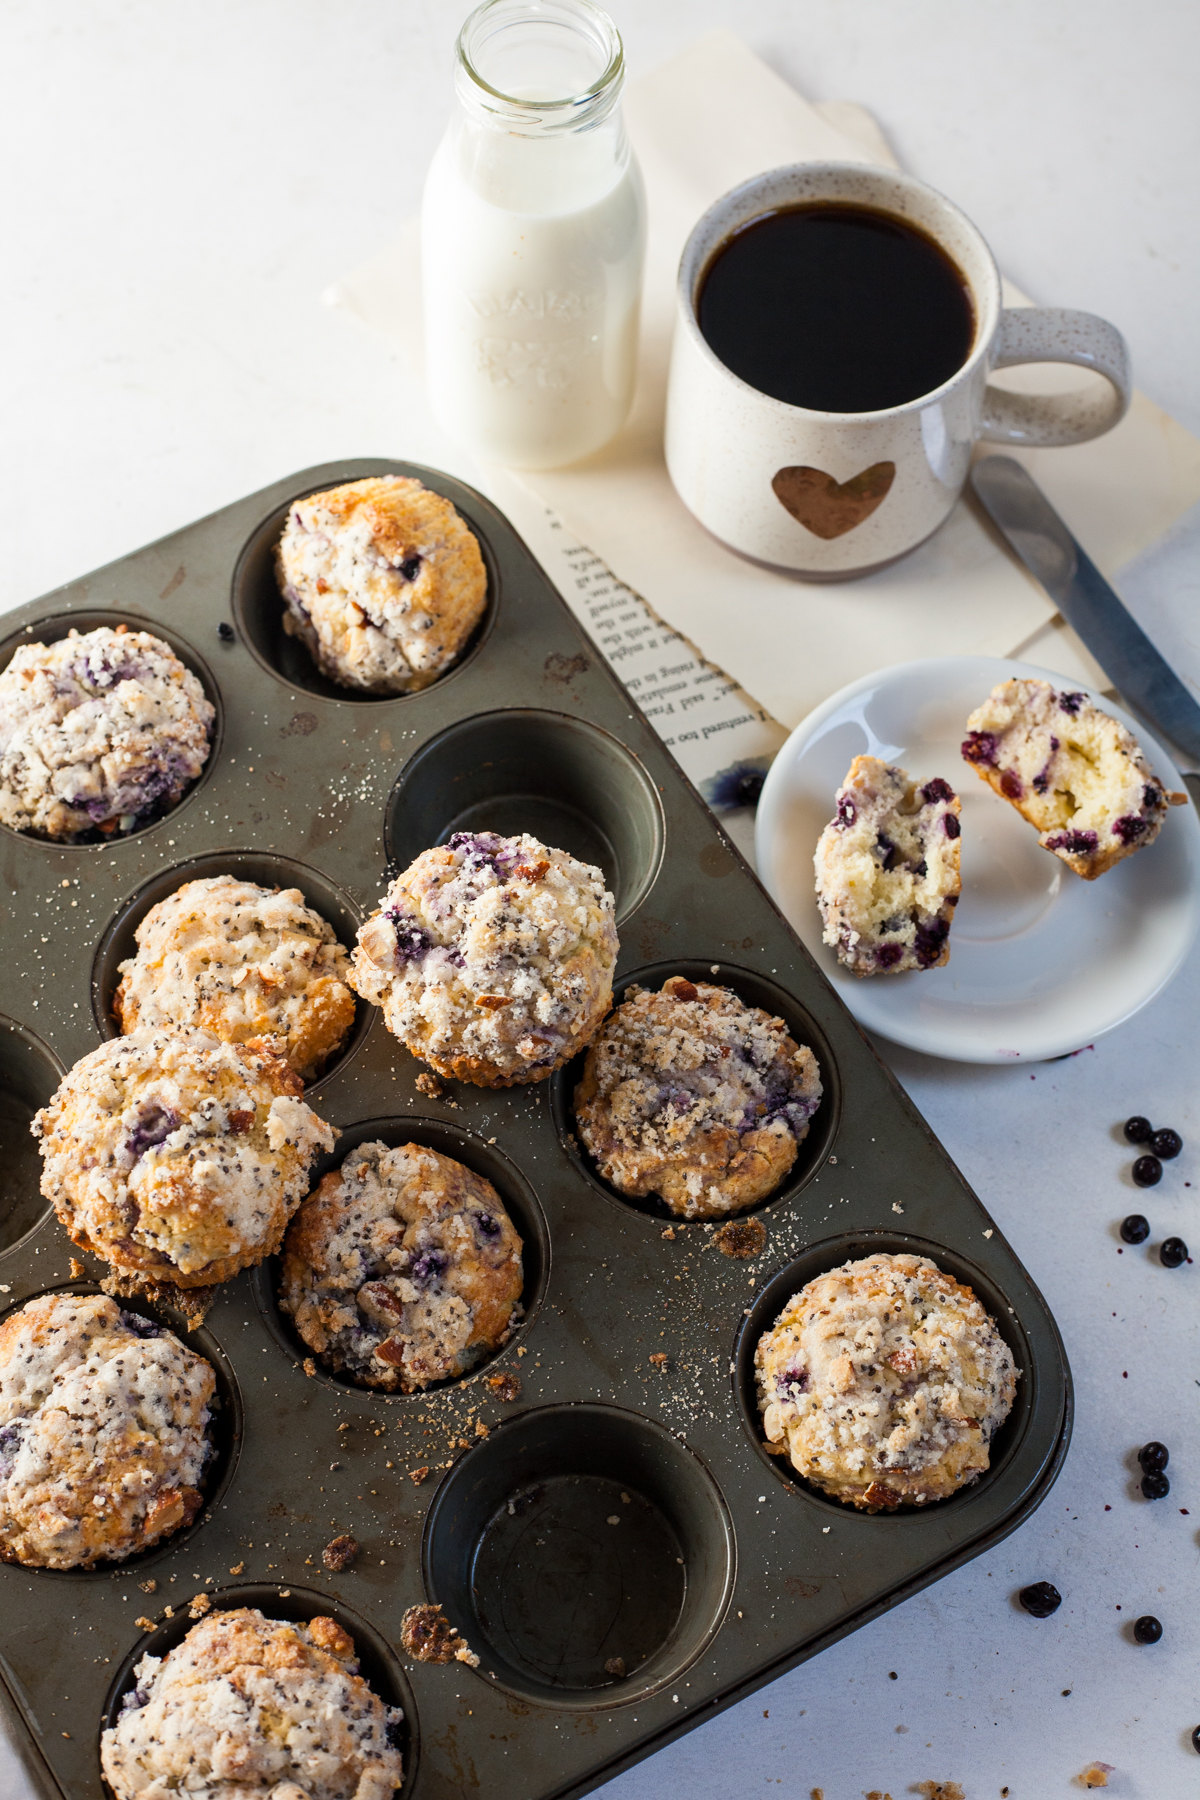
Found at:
(1021, 512)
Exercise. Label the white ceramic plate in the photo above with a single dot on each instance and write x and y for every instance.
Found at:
(1041, 962)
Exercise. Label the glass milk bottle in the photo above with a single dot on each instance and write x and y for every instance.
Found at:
(532, 234)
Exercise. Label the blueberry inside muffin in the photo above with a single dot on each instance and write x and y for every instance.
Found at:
(690, 1094)
(104, 1432)
(248, 1706)
(100, 733)
(887, 869)
(884, 1383)
(402, 1268)
(1079, 777)
(382, 581)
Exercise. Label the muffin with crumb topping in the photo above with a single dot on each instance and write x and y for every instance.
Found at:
(402, 1268)
(382, 581)
(177, 1157)
(104, 1432)
(492, 957)
(1079, 777)
(692, 1095)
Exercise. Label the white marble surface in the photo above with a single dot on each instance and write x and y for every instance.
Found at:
(181, 182)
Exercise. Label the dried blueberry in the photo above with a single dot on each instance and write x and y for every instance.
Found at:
(1166, 1144)
(1011, 785)
(225, 631)
(1171, 1252)
(1147, 1171)
(1041, 1599)
(1155, 1487)
(1147, 1629)
(410, 568)
(1154, 1457)
(1135, 1229)
(1138, 1130)
(937, 789)
(950, 825)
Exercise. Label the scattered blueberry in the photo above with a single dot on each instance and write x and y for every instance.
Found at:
(225, 631)
(1154, 1457)
(1138, 1130)
(1135, 1229)
(1147, 1629)
(1166, 1143)
(1172, 1252)
(1041, 1599)
(1196, 1740)
(1147, 1171)
(1155, 1487)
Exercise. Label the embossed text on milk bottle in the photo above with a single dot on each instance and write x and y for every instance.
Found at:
(533, 231)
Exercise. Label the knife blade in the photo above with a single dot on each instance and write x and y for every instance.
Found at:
(1021, 512)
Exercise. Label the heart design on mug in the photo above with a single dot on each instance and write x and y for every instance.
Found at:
(830, 508)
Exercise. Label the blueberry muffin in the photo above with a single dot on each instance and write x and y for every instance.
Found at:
(173, 1155)
(1074, 772)
(492, 958)
(402, 1268)
(888, 870)
(248, 964)
(692, 1095)
(103, 1432)
(383, 583)
(248, 1706)
(884, 1382)
(100, 733)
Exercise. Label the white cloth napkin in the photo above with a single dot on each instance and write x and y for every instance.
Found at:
(709, 118)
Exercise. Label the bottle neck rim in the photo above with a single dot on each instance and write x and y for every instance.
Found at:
(552, 115)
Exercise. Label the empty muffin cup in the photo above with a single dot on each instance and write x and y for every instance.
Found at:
(522, 770)
(29, 1076)
(754, 990)
(119, 941)
(583, 1552)
(259, 607)
(831, 1254)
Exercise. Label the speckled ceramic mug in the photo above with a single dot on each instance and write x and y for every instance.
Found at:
(830, 495)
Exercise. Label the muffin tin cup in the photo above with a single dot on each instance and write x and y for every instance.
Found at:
(618, 1372)
(577, 1539)
(560, 779)
(755, 990)
(225, 1426)
(378, 1663)
(519, 1200)
(29, 1075)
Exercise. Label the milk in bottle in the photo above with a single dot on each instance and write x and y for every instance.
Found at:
(533, 230)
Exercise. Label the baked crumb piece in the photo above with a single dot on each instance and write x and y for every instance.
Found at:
(659, 1359)
(505, 1387)
(237, 1568)
(1096, 1775)
(741, 1238)
(428, 1636)
(940, 1790)
(198, 1605)
(1079, 777)
(417, 1476)
(615, 1666)
(429, 1085)
(887, 869)
(339, 1554)
(149, 1586)
(145, 1624)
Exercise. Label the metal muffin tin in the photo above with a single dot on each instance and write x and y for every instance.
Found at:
(723, 1569)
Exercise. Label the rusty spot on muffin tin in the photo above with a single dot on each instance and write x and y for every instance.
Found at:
(632, 1315)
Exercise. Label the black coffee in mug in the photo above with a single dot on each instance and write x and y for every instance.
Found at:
(837, 308)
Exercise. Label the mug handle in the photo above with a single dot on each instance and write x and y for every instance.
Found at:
(1056, 334)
